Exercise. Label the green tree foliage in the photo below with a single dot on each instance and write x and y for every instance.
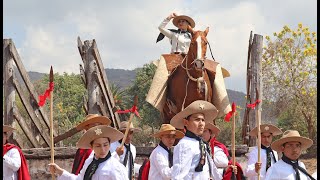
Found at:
(289, 69)
(150, 116)
(67, 100)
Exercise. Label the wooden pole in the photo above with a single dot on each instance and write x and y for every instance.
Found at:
(234, 140)
(127, 129)
(51, 122)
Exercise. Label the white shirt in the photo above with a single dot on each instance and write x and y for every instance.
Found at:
(180, 42)
(110, 169)
(159, 164)
(253, 158)
(186, 157)
(113, 148)
(283, 171)
(220, 159)
(11, 164)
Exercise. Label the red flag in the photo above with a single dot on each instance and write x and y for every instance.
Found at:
(252, 106)
(42, 98)
(133, 109)
(229, 115)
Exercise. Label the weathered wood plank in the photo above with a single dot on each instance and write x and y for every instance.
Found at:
(85, 104)
(42, 128)
(44, 153)
(83, 76)
(28, 83)
(80, 48)
(25, 128)
(9, 91)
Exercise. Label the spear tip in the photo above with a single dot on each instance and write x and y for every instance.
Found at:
(51, 74)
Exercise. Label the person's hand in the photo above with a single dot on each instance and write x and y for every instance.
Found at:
(172, 15)
(54, 168)
(235, 169)
(120, 150)
(257, 166)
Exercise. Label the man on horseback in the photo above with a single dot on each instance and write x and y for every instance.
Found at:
(180, 39)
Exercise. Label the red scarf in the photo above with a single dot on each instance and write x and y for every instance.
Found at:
(23, 173)
(214, 142)
(228, 173)
(79, 159)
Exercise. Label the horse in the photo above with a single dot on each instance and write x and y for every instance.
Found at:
(190, 80)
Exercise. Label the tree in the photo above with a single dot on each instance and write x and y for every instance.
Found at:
(151, 118)
(289, 67)
(67, 102)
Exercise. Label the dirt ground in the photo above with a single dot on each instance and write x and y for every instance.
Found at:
(311, 164)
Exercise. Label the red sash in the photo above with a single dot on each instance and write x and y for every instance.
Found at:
(228, 173)
(23, 173)
(79, 159)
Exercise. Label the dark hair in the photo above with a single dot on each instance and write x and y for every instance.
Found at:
(91, 143)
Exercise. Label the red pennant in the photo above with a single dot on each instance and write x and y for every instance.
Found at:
(134, 110)
(252, 106)
(42, 98)
(229, 115)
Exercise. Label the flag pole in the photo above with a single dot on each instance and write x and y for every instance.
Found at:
(129, 121)
(234, 140)
(258, 122)
(51, 122)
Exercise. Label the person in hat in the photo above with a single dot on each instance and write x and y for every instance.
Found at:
(180, 39)
(161, 158)
(14, 163)
(291, 144)
(218, 151)
(99, 165)
(268, 155)
(81, 155)
(190, 158)
(127, 153)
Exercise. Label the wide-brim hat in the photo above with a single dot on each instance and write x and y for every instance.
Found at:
(269, 128)
(100, 131)
(92, 119)
(209, 110)
(214, 129)
(8, 129)
(289, 136)
(187, 18)
(168, 129)
(123, 126)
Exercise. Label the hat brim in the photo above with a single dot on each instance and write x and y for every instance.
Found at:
(215, 130)
(99, 119)
(305, 142)
(209, 111)
(189, 19)
(178, 134)
(106, 132)
(272, 129)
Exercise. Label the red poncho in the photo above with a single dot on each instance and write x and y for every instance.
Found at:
(23, 172)
(79, 159)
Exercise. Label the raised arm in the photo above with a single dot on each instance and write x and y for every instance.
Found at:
(164, 23)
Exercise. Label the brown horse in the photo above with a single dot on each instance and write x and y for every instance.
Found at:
(190, 80)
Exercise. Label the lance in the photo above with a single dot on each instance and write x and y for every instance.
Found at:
(133, 112)
(234, 143)
(258, 121)
(51, 121)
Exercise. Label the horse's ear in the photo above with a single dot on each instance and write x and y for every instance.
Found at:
(206, 31)
(189, 28)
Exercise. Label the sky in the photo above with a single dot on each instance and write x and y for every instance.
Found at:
(45, 32)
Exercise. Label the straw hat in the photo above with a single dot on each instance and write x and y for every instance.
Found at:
(269, 128)
(124, 124)
(209, 110)
(215, 130)
(100, 131)
(187, 18)
(289, 136)
(8, 129)
(92, 119)
(168, 129)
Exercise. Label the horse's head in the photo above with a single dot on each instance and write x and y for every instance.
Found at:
(198, 46)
